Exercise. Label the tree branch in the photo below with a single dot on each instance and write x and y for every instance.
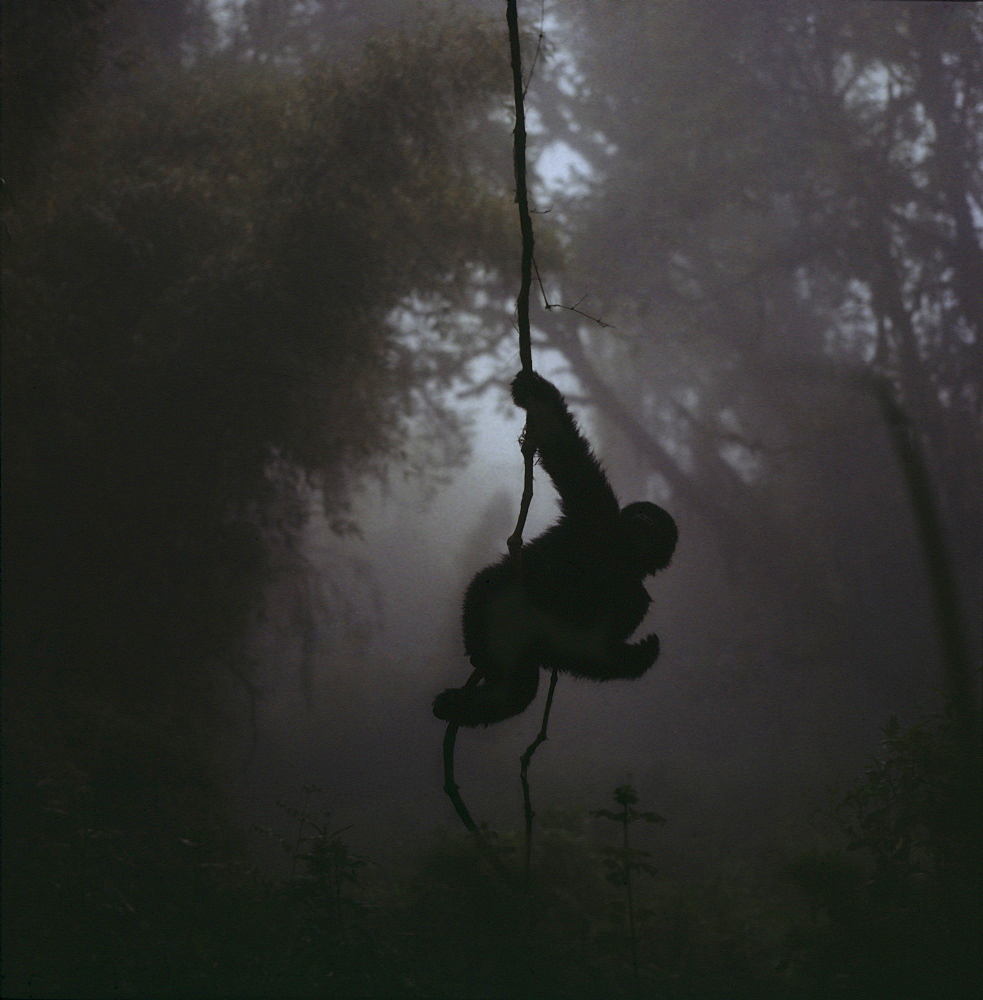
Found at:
(575, 308)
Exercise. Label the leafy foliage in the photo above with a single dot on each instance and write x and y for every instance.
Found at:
(178, 911)
(620, 862)
(209, 303)
(227, 298)
(624, 861)
(911, 803)
(328, 866)
(912, 895)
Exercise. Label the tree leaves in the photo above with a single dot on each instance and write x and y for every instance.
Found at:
(210, 305)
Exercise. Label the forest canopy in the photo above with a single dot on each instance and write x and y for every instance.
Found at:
(208, 272)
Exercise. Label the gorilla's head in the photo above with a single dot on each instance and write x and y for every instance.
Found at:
(650, 536)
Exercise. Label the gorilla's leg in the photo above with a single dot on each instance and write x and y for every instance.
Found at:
(492, 700)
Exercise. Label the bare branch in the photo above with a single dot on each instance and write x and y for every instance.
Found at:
(575, 308)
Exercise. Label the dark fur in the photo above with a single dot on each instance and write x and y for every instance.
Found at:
(576, 596)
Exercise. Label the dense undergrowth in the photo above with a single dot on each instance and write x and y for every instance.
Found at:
(99, 903)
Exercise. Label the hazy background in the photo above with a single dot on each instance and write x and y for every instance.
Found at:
(260, 264)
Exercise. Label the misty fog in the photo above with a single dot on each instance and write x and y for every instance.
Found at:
(736, 740)
(261, 266)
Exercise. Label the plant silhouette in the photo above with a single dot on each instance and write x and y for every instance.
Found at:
(622, 862)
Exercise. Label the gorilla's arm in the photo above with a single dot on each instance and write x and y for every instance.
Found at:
(585, 493)
(622, 661)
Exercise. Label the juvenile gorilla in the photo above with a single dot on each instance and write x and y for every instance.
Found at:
(575, 597)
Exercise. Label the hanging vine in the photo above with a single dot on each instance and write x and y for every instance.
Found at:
(526, 267)
(528, 447)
